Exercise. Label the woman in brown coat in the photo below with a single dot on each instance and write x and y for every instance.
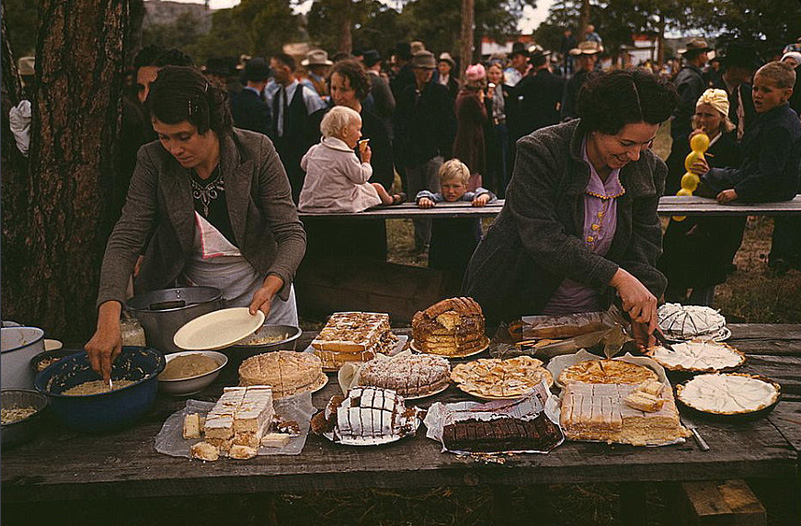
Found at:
(471, 115)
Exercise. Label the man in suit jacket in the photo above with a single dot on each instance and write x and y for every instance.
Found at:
(690, 85)
(739, 63)
(248, 109)
(537, 98)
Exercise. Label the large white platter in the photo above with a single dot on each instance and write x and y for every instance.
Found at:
(218, 329)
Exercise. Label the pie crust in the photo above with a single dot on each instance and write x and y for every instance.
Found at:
(728, 394)
(501, 379)
(698, 356)
(606, 372)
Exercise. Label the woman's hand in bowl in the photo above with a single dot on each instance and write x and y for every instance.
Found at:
(106, 343)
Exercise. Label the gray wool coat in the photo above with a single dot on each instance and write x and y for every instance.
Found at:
(263, 217)
(536, 240)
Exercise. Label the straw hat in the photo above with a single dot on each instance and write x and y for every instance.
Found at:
(588, 47)
(316, 57)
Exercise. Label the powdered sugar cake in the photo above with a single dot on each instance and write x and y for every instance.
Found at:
(353, 337)
(410, 375)
(685, 322)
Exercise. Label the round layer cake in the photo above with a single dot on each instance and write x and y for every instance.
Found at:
(452, 327)
(686, 322)
(698, 356)
(287, 372)
(410, 375)
(606, 372)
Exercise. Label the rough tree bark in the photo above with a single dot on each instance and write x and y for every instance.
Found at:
(76, 118)
(466, 51)
(584, 19)
(14, 186)
(346, 27)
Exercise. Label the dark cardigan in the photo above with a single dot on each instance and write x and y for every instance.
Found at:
(535, 242)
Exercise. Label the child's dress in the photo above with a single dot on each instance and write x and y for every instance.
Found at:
(453, 240)
(335, 179)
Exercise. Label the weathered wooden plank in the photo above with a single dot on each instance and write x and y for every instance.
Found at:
(729, 502)
(787, 419)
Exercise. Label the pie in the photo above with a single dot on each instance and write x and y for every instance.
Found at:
(728, 394)
(686, 322)
(409, 374)
(501, 379)
(698, 356)
(452, 327)
(606, 372)
(288, 372)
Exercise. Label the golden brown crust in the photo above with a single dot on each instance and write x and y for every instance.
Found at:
(606, 372)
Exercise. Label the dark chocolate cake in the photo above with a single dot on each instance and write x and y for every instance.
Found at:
(503, 433)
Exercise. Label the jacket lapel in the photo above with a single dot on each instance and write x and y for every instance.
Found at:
(180, 208)
(237, 187)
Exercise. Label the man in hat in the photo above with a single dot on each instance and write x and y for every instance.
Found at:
(317, 65)
(586, 56)
(690, 84)
(739, 64)
(290, 105)
(444, 74)
(248, 109)
(518, 66)
(425, 126)
(537, 98)
(380, 100)
(404, 76)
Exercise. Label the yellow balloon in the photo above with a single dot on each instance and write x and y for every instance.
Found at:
(689, 181)
(693, 156)
(684, 191)
(699, 143)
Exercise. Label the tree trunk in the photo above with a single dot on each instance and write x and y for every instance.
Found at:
(584, 20)
(76, 120)
(346, 28)
(660, 40)
(466, 52)
(14, 188)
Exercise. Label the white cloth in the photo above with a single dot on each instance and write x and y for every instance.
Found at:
(19, 121)
(335, 179)
(216, 262)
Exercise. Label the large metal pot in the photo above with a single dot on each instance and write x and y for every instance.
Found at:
(19, 345)
(163, 312)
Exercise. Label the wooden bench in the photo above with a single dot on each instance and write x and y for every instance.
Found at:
(668, 206)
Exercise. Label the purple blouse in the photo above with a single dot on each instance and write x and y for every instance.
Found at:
(600, 223)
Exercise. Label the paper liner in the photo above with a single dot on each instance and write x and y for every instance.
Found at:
(299, 408)
(528, 408)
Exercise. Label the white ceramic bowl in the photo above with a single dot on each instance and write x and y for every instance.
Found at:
(194, 384)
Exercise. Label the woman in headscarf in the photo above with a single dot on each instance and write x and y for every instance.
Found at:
(698, 251)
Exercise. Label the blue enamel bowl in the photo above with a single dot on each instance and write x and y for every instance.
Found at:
(108, 411)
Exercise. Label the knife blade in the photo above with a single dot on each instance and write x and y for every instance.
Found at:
(663, 341)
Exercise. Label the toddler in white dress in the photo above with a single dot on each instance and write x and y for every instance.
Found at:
(336, 181)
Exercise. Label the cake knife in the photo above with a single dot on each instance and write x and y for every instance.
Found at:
(662, 340)
(698, 438)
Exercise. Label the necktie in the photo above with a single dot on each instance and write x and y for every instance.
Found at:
(740, 114)
(276, 112)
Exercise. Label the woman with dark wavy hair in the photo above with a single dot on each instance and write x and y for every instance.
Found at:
(580, 226)
(212, 206)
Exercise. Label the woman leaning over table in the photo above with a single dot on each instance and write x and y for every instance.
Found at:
(580, 225)
(212, 204)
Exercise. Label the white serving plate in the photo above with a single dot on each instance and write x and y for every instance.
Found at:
(218, 329)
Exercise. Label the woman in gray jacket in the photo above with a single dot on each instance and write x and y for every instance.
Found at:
(579, 225)
(212, 206)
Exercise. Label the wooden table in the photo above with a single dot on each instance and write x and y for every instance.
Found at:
(61, 465)
(668, 206)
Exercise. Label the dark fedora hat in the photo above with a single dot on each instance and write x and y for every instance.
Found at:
(257, 69)
(741, 55)
(371, 57)
(518, 48)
